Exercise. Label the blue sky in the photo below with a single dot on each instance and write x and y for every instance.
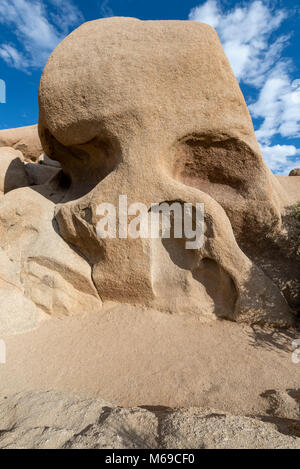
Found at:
(261, 39)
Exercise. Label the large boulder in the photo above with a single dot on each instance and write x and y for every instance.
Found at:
(25, 139)
(180, 112)
(124, 124)
(177, 124)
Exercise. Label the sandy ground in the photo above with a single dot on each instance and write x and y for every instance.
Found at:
(133, 356)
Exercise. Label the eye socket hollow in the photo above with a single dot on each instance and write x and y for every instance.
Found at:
(205, 162)
(85, 165)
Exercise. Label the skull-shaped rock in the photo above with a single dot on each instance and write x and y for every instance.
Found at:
(152, 110)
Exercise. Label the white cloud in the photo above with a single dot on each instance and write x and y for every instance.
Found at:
(34, 35)
(208, 13)
(281, 158)
(65, 15)
(278, 105)
(247, 35)
(12, 56)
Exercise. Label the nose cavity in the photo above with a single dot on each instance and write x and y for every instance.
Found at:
(86, 164)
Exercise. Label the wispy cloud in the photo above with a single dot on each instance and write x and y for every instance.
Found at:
(37, 29)
(247, 33)
(105, 9)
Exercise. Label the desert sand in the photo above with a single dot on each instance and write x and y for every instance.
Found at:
(132, 356)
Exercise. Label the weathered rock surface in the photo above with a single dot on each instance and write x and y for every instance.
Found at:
(130, 124)
(60, 420)
(40, 273)
(25, 139)
(295, 172)
(158, 124)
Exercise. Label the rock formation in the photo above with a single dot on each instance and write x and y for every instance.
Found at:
(295, 172)
(25, 139)
(161, 124)
(179, 128)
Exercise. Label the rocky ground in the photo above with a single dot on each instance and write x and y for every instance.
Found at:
(62, 420)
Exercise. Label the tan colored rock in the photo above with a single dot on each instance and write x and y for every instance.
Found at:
(25, 139)
(17, 313)
(161, 127)
(38, 266)
(56, 415)
(12, 170)
(290, 187)
(54, 420)
(295, 172)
